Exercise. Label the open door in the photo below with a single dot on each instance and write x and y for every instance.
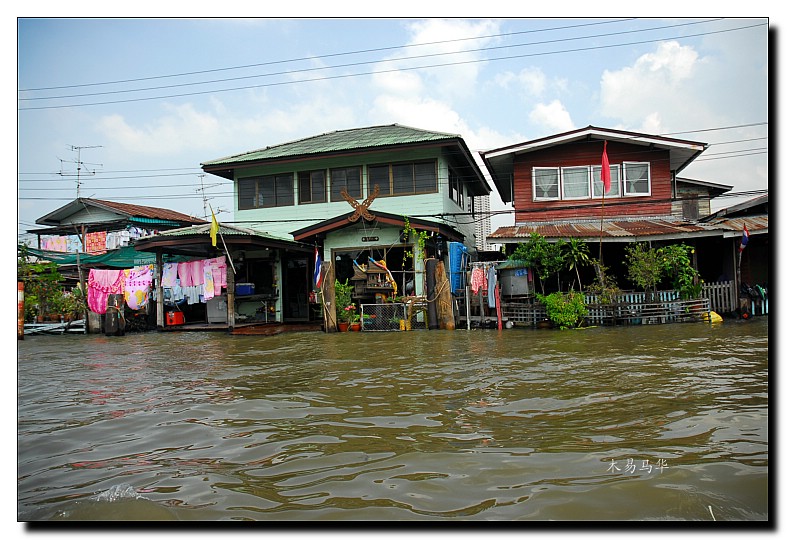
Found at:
(295, 288)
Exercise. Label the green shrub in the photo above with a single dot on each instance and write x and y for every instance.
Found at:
(565, 310)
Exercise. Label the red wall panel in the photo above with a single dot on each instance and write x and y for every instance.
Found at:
(589, 153)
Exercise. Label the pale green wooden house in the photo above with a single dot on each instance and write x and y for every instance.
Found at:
(352, 193)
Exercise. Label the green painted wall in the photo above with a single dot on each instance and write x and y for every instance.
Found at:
(282, 221)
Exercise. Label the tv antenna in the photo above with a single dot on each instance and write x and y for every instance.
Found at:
(80, 164)
(204, 196)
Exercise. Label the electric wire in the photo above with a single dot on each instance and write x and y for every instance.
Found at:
(393, 70)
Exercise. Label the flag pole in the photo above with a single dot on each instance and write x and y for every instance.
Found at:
(606, 183)
(601, 229)
(218, 229)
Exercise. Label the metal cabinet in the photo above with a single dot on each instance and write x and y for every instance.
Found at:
(217, 309)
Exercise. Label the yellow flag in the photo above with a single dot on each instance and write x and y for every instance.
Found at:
(214, 228)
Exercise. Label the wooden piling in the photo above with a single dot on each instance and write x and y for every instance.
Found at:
(431, 297)
(445, 308)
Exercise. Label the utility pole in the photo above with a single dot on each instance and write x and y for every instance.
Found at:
(79, 164)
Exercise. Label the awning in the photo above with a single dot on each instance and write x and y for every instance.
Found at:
(124, 257)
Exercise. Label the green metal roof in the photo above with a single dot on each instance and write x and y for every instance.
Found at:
(124, 257)
(204, 230)
(337, 141)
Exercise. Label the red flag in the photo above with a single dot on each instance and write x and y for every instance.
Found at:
(606, 176)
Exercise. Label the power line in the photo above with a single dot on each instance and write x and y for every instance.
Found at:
(356, 64)
(412, 68)
(323, 56)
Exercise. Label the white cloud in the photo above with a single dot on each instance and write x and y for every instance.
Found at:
(658, 83)
(531, 81)
(424, 113)
(552, 117)
(675, 89)
(438, 37)
(182, 129)
(398, 82)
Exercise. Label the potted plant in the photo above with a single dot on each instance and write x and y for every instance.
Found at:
(73, 304)
(345, 308)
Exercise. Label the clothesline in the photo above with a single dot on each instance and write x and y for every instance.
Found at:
(195, 281)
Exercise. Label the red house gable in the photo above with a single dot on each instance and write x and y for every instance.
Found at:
(559, 178)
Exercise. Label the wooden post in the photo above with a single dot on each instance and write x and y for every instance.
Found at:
(82, 284)
(329, 297)
(444, 305)
(230, 296)
(159, 269)
(431, 298)
(467, 302)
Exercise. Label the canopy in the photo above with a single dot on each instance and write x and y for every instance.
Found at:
(124, 257)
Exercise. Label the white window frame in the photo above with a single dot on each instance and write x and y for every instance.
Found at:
(625, 183)
(588, 186)
(614, 182)
(536, 197)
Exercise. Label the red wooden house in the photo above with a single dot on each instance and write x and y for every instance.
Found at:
(555, 186)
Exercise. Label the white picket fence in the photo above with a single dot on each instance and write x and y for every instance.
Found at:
(721, 295)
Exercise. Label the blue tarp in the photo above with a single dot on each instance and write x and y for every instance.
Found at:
(457, 262)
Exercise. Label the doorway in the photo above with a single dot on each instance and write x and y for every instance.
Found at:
(295, 288)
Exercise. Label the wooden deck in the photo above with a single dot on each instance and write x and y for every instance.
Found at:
(72, 327)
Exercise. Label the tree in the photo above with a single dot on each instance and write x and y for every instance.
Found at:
(677, 264)
(577, 254)
(644, 267)
(546, 258)
(41, 279)
(647, 267)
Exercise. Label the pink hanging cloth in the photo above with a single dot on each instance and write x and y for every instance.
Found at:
(100, 284)
(184, 273)
(138, 282)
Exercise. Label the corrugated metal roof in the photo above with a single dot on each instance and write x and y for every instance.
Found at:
(135, 210)
(159, 216)
(335, 141)
(755, 224)
(229, 230)
(620, 230)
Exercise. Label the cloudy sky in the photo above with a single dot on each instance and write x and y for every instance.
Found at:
(142, 102)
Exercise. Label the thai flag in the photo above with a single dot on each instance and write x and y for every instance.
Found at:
(745, 239)
(317, 268)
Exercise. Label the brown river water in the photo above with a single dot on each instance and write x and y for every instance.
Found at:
(652, 422)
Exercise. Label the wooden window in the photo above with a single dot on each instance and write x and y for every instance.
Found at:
(691, 209)
(403, 178)
(455, 188)
(265, 192)
(311, 187)
(247, 193)
(379, 175)
(349, 178)
(425, 175)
